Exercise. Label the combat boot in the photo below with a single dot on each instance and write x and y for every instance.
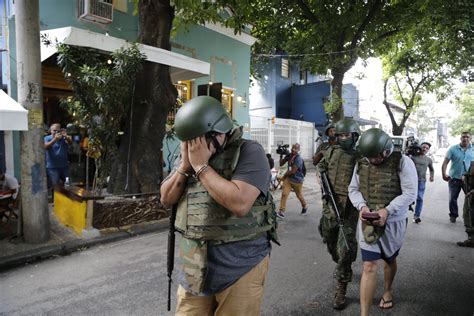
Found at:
(340, 296)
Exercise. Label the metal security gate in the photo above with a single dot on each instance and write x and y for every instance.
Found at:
(269, 133)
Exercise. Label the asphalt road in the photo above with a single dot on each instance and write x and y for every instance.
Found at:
(435, 277)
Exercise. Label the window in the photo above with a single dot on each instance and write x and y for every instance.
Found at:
(227, 97)
(285, 68)
(184, 94)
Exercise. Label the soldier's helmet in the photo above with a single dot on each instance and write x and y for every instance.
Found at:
(199, 116)
(347, 125)
(375, 142)
(326, 131)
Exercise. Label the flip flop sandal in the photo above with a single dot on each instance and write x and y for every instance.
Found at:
(384, 302)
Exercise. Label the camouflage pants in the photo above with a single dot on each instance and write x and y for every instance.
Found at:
(331, 232)
(468, 214)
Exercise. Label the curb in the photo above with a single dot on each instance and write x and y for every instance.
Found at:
(69, 247)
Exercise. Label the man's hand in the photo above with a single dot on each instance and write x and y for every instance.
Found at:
(446, 177)
(431, 179)
(57, 136)
(199, 152)
(383, 217)
(185, 164)
(363, 210)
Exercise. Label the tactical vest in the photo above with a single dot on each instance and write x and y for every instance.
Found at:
(379, 185)
(200, 217)
(340, 169)
(202, 221)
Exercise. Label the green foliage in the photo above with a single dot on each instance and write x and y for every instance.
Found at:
(465, 105)
(333, 104)
(102, 86)
(429, 54)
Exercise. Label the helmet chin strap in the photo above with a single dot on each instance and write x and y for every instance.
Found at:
(219, 148)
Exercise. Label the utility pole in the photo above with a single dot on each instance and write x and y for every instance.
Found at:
(34, 197)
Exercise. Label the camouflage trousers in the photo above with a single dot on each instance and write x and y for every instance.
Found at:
(468, 214)
(332, 233)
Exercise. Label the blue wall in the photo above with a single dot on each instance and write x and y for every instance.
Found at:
(308, 102)
(287, 97)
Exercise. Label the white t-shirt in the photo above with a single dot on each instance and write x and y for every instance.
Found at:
(9, 183)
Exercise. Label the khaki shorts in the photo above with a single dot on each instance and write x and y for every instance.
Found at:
(244, 297)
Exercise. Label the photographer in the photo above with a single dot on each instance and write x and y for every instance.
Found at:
(292, 179)
(422, 163)
(56, 148)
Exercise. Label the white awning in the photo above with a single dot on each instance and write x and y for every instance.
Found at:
(13, 117)
(182, 67)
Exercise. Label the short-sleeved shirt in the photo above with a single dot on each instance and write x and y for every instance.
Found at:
(56, 155)
(298, 177)
(460, 160)
(422, 163)
(9, 183)
(229, 262)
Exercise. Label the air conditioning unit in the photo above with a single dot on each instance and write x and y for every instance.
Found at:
(99, 11)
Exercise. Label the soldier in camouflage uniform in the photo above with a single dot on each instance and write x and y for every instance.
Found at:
(468, 210)
(225, 213)
(330, 132)
(338, 162)
(384, 184)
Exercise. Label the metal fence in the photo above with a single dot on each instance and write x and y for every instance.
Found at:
(269, 133)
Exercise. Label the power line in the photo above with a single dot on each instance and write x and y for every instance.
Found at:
(303, 55)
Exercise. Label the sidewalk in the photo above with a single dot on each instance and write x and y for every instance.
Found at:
(14, 252)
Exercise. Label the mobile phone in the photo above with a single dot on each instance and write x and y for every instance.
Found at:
(372, 216)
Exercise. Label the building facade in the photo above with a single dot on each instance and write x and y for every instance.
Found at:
(205, 59)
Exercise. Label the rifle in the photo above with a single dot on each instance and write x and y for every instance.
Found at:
(329, 196)
(170, 258)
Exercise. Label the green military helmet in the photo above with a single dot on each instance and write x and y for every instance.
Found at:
(375, 142)
(199, 116)
(347, 125)
(326, 131)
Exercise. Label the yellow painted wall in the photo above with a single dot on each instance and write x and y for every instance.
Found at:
(69, 212)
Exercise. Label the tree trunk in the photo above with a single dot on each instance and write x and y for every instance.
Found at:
(137, 167)
(336, 84)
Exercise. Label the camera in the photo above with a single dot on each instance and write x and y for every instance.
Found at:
(282, 150)
(413, 148)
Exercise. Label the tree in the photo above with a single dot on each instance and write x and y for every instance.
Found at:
(321, 35)
(464, 122)
(102, 86)
(137, 167)
(427, 56)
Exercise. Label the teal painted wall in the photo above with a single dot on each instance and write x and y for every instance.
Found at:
(62, 13)
(229, 59)
(230, 64)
